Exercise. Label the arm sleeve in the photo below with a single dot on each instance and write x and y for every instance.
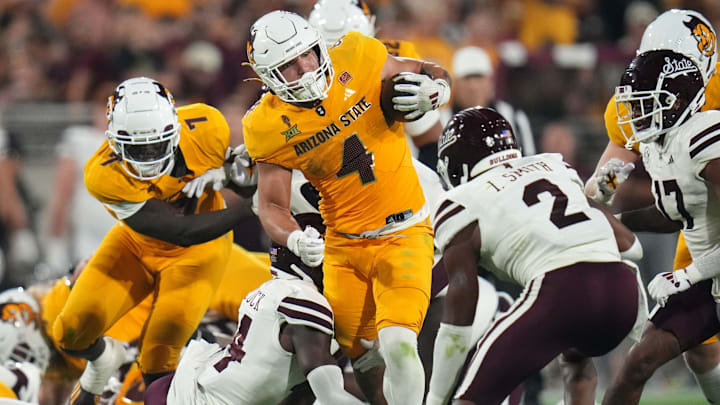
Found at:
(328, 386)
(123, 210)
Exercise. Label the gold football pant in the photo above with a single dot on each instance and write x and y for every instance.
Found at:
(122, 272)
(374, 283)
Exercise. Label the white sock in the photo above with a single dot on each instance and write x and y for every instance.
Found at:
(709, 382)
(404, 381)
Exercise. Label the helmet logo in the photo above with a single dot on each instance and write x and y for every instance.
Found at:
(17, 312)
(674, 67)
(446, 139)
(704, 36)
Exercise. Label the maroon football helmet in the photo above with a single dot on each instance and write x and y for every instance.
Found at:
(658, 92)
(474, 140)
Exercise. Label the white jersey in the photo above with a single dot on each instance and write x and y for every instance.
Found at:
(533, 218)
(89, 219)
(681, 194)
(254, 368)
(23, 379)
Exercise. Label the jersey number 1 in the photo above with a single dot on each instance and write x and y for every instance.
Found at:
(669, 187)
(356, 158)
(560, 203)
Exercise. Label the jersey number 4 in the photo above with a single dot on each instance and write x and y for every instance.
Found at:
(356, 158)
(560, 203)
(235, 351)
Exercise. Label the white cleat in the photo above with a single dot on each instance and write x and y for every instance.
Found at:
(98, 372)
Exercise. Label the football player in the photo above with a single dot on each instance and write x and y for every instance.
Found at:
(579, 298)
(282, 339)
(661, 93)
(689, 33)
(323, 115)
(24, 355)
(335, 18)
(164, 245)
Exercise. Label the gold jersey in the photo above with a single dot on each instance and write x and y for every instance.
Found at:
(360, 164)
(712, 101)
(204, 138)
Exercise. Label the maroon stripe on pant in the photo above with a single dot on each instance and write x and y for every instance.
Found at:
(590, 307)
(439, 278)
(689, 315)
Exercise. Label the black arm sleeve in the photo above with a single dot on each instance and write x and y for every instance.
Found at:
(160, 220)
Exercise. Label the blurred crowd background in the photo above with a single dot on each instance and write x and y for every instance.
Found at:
(557, 60)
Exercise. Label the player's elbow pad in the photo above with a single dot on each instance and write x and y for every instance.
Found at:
(328, 386)
(422, 124)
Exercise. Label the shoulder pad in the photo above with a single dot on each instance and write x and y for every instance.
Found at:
(306, 306)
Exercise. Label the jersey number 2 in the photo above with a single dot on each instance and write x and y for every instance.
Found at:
(560, 203)
(356, 158)
(236, 352)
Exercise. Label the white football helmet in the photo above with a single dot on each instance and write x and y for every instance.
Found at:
(143, 128)
(335, 18)
(686, 32)
(20, 337)
(276, 39)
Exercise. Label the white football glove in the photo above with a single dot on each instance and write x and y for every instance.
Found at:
(426, 95)
(613, 173)
(241, 169)
(308, 245)
(214, 177)
(668, 283)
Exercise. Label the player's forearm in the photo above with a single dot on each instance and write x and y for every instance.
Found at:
(435, 71)
(649, 219)
(462, 294)
(277, 221)
(157, 221)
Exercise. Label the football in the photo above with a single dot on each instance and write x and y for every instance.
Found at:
(386, 95)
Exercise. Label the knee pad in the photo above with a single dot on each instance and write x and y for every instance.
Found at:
(397, 344)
